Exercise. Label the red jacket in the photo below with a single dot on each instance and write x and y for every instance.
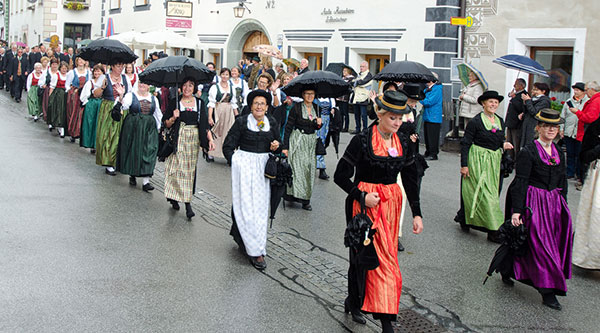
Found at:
(590, 112)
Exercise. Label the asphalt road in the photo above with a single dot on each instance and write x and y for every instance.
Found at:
(83, 251)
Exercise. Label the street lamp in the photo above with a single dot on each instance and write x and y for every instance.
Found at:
(238, 11)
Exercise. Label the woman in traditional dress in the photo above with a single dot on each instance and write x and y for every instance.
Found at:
(541, 185)
(190, 127)
(91, 98)
(246, 149)
(76, 79)
(45, 85)
(131, 75)
(299, 145)
(375, 157)
(138, 143)
(222, 110)
(240, 88)
(586, 249)
(57, 102)
(481, 154)
(34, 104)
(108, 130)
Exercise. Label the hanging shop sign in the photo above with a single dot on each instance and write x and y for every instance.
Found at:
(336, 15)
(179, 9)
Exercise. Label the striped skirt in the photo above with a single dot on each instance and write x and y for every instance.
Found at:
(180, 167)
(304, 164)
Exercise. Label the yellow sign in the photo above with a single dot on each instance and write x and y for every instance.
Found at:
(466, 21)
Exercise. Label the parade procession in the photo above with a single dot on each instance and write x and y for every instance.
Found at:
(311, 167)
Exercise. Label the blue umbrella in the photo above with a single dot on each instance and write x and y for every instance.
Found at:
(521, 63)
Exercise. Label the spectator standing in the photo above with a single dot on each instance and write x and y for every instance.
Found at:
(514, 118)
(533, 104)
(303, 66)
(469, 107)
(360, 96)
(432, 118)
(17, 74)
(342, 101)
(569, 129)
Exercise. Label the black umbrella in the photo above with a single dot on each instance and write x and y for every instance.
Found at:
(325, 84)
(279, 183)
(108, 51)
(405, 71)
(338, 67)
(514, 244)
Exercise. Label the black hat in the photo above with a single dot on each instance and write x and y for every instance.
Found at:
(256, 58)
(256, 93)
(413, 91)
(579, 85)
(490, 94)
(549, 116)
(393, 101)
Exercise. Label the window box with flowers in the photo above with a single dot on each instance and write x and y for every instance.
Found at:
(76, 4)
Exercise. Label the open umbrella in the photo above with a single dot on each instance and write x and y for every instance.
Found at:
(291, 61)
(338, 67)
(463, 74)
(279, 183)
(405, 71)
(20, 44)
(521, 63)
(325, 84)
(107, 51)
(268, 50)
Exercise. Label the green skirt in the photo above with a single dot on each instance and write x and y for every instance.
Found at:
(138, 145)
(480, 189)
(34, 104)
(107, 135)
(57, 108)
(302, 158)
(89, 122)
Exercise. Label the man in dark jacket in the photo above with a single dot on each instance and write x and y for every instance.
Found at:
(17, 72)
(34, 56)
(8, 57)
(303, 66)
(2, 68)
(514, 116)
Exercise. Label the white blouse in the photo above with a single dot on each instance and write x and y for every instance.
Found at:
(252, 124)
(128, 99)
(212, 96)
(71, 76)
(54, 79)
(30, 79)
(89, 87)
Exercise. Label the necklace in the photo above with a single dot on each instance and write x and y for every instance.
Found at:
(545, 145)
(187, 100)
(385, 136)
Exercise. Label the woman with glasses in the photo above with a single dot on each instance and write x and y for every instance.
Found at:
(537, 198)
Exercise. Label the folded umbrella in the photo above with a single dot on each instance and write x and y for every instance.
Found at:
(521, 63)
(325, 84)
(338, 67)
(279, 183)
(463, 74)
(514, 244)
(268, 50)
(108, 51)
(405, 71)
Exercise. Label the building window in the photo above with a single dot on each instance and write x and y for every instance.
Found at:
(115, 4)
(315, 61)
(558, 63)
(140, 5)
(141, 2)
(75, 33)
(377, 62)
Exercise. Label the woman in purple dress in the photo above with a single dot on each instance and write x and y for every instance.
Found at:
(541, 185)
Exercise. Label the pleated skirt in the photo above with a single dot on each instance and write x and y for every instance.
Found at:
(180, 167)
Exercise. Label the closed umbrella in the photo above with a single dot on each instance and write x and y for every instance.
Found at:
(325, 84)
(463, 74)
(338, 67)
(521, 63)
(405, 71)
(282, 179)
(514, 244)
(107, 51)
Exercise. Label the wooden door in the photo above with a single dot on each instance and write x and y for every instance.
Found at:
(315, 61)
(377, 62)
(256, 38)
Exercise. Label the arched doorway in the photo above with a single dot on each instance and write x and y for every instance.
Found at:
(244, 36)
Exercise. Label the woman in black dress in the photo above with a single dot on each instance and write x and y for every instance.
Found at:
(374, 158)
(533, 105)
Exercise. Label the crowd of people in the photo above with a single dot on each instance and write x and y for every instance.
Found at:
(243, 117)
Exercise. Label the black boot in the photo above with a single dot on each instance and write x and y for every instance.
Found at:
(306, 205)
(549, 300)
(357, 316)
(386, 326)
(174, 204)
(132, 181)
(188, 211)
(323, 175)
(400, 246)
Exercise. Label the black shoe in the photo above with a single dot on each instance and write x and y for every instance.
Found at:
(550, 301)
(400, 246)
(357, 316)
(508, 281)
(174, 204)
(148, 187)
(288, 198)
(344, 130)
(189, 212)
(132, 181)
(260, 265)
(493, 237)
(18, 100)
(62, 136)
(323, 175)
(92, 151)
(72, 139)
(307, 206)
(110, 173)
(355, 132)
(432, 158)
(50, 129)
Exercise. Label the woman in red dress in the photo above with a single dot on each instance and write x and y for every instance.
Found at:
(375, 157)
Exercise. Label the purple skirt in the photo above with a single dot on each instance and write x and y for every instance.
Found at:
(547, 263)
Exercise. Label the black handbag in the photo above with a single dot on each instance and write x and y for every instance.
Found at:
(320, 147)
(166, 143)
(359, 237)
(271, 167)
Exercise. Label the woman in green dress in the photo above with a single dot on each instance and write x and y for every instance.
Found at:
(481, 153)
(91, 98)
(138, 143)
(34, 79)
(108, 130)
(57, 102)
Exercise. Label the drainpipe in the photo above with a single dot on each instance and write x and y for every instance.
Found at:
(460, 54)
